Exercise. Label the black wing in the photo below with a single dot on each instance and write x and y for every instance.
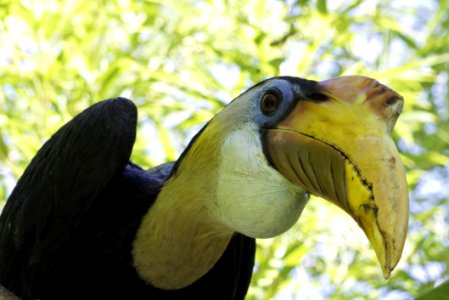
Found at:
(60, 185)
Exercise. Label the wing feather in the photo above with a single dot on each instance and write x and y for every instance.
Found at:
(60, 185)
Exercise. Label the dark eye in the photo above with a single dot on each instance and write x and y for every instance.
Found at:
(270, 103)
(318, 97)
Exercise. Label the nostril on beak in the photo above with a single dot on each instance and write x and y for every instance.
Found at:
(393, 100)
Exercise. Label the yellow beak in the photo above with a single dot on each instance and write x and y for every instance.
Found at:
(341, 150)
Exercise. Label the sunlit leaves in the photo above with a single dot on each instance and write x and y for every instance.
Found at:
(438, 294)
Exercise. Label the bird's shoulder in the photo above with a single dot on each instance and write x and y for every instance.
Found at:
(60, 186)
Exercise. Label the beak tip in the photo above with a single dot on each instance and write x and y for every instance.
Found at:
(391, 260)
(387, 272)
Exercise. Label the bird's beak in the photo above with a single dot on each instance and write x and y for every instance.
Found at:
(340, 149)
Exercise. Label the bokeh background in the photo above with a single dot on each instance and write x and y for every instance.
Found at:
(181, 61)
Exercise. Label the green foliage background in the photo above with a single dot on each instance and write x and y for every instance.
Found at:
(181, 61)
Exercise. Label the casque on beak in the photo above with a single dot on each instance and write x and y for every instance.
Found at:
(340, 149)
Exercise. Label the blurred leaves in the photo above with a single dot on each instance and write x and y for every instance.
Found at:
(181, 61)
(439, 293)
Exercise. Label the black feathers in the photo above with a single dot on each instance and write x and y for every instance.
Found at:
(67, 229)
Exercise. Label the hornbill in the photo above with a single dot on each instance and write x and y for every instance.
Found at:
(85, 222)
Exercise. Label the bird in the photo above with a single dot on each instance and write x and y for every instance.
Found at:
(84, 221)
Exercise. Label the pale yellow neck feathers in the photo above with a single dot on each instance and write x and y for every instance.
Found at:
(180, 239)
(177, 242)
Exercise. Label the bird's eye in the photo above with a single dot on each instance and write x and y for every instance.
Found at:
(317, 97)
(270, 103)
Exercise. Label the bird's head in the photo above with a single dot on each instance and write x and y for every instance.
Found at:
(287, 137)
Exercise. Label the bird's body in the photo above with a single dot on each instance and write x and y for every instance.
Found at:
(85, 222)
(90, 255)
